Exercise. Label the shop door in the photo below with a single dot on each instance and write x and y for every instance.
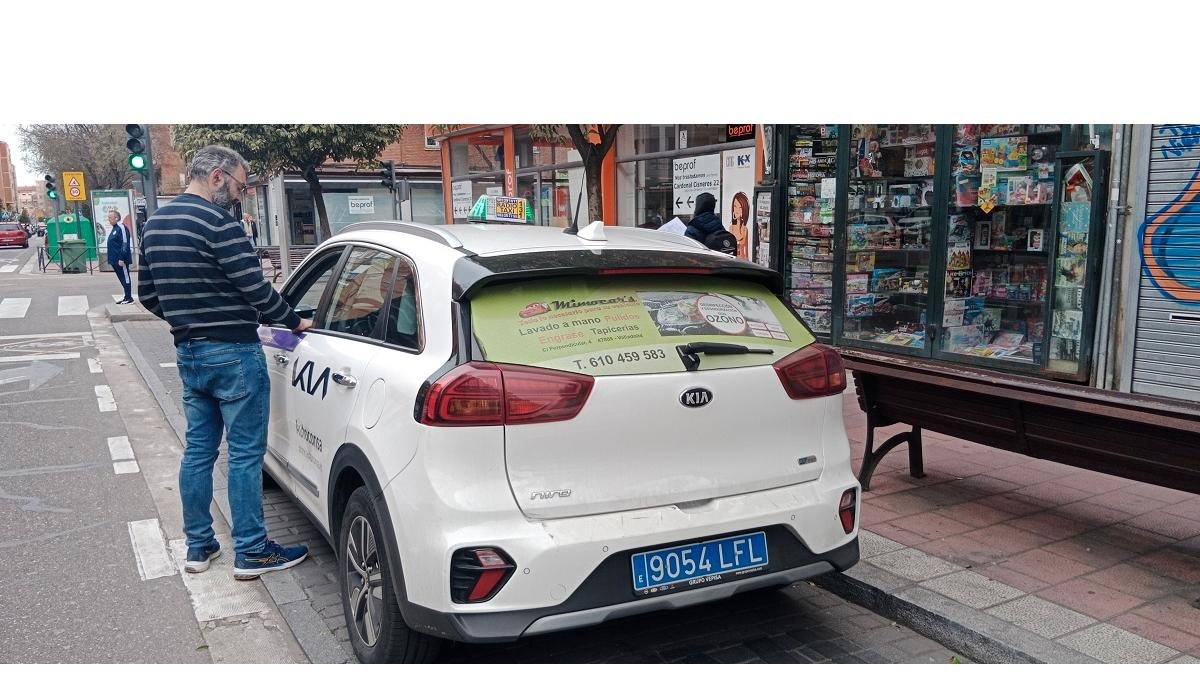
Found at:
(1166, 358)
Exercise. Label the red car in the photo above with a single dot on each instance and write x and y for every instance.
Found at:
(12, 234)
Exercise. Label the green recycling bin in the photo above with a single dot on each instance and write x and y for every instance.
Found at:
(74, 255)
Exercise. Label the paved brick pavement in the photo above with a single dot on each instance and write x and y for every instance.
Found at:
(1106, 567)
(800, 624)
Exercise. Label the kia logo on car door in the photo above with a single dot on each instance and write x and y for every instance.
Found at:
(696, 397)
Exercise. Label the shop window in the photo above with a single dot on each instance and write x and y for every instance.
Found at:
(649, 138)
(998, 241)
(696, 135)
(811, 165)
(542, 151)
(477, 153)
(889, 223)
(427, 204)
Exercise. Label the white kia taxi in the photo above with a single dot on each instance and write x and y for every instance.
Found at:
(508, 430)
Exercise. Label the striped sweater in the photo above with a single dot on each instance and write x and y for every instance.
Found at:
(199, 273)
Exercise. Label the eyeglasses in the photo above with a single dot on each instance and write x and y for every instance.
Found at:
(243, 188)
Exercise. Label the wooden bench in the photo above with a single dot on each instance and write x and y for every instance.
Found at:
(1145, 438)
(271, 255)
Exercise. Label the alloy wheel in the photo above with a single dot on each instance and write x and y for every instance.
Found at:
(364, 579)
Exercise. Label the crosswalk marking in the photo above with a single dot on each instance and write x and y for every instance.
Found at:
(14, 308)
(94, 366)
(168, 365)
(122, 455)
(67, 356)
(32, 336)
(72, 305)
(104, 398)
(28, 268)
(150, 550)
(8, 268)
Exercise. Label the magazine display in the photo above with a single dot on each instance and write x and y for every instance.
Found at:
(889, 226)
(997, 270)
(809, 238)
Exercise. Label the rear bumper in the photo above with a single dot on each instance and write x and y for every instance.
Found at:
(592, 603)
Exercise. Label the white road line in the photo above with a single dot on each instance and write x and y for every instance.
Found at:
(104, 397)
(168, 365)
(14, 308)
(94, 366)
(119, 448)
(72, 305)
(128, 466)
(44, 335)
(39, 357)
(8, 268)
(28, 268)
(150, 550)
(122, 455)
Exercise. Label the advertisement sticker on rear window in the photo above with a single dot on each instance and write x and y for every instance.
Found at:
(624, 326)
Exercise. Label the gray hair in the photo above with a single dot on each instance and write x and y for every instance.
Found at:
(212, 157)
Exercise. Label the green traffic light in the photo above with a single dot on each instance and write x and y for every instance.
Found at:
(137, 162)
(52, 194)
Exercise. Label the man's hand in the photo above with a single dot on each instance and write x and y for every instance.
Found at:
(305, 324)
(120, 263)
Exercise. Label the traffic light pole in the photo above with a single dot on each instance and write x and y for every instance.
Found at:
(151, 187)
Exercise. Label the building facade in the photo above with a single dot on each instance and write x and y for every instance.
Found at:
(8, 179)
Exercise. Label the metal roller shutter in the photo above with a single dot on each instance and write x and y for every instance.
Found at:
(1167, 348)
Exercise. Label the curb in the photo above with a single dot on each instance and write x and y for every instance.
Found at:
(963, 629)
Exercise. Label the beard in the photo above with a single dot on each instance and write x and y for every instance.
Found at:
(224, 198)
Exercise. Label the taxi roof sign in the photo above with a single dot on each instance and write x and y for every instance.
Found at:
(499, 209)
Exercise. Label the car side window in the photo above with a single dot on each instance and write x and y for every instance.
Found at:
(359, 293)
(404, 317)
(306, 295)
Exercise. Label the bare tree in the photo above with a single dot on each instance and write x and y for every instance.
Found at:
(98, 150)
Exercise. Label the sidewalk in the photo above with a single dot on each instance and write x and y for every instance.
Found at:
(1042, 561)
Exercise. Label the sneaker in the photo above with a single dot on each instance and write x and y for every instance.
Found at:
(126, 301)
(199, 557)
(271, 558)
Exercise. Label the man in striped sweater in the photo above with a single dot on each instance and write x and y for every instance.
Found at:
(200, 274)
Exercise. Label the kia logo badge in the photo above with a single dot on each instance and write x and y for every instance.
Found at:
(696, 397)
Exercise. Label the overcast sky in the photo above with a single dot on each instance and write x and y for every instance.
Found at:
(25, 174)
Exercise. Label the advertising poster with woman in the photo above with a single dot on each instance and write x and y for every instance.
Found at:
(105, 202)
(737, 185)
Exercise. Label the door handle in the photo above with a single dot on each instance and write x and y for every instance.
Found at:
(344, 380)
(281, 359)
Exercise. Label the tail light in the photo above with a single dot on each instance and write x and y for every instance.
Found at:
(814, 371)
(489, 394)
(477, 574)
(846, 508)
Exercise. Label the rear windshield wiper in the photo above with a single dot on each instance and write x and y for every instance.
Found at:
(690, 352)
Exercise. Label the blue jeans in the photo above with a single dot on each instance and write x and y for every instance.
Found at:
(225, 387)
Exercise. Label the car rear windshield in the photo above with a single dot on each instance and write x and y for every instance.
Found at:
(632, 324)
(8, 227)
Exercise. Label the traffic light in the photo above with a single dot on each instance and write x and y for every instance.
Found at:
(51, 188)
(137, 146)
(388, 173)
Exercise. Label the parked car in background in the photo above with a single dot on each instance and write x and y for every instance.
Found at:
(507, 430)
(13, 234)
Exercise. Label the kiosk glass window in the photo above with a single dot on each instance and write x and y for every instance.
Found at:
(888, 226)
(999, 218)
(812, 162)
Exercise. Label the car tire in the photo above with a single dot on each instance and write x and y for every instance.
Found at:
(377, 630)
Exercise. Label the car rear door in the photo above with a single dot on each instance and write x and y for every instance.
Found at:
(655, 431)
